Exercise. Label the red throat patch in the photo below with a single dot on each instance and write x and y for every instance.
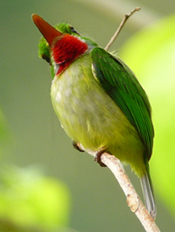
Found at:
(66, 50)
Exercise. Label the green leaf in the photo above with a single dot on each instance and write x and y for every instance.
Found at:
(151, 55)
(30, 200)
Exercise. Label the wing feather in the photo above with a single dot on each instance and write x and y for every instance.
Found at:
(122, 86)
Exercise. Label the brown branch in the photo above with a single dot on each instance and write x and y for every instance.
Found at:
(132, 198)
(126, 17)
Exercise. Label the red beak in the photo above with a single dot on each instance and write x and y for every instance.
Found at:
(49, 32)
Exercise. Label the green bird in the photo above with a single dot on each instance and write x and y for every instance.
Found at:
(98, 100)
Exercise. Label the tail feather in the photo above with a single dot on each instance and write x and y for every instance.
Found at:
(148, 195)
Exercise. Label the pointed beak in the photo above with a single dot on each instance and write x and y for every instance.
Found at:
(49, 32)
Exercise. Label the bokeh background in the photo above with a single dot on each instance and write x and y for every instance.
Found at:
(46, 185)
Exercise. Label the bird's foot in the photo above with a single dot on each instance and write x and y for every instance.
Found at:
(77, 146)
(98, 158)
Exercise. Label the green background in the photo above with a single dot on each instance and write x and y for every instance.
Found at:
(36, 140)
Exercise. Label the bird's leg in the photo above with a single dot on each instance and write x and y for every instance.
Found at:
(98, 157)
(76, 146)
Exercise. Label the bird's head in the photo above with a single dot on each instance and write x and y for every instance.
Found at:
(60, 45)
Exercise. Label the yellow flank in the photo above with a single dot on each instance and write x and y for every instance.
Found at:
(89, 115)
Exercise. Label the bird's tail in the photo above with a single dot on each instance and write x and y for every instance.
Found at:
(148, 194)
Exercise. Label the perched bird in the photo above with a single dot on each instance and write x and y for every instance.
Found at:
(98, 100)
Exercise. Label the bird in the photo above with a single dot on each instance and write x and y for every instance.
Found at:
(98, 100)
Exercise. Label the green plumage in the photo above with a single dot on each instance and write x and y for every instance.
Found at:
(120, 83)
(102, 106)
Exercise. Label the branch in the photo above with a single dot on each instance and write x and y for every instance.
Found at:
(133, 200)
(126, 17)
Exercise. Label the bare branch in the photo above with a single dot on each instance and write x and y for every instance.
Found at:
(126, 17)
(132, 198)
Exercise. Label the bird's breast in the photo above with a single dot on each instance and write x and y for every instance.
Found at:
(86, 112)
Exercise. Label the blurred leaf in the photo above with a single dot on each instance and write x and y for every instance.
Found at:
(30, 200)
(151, 55)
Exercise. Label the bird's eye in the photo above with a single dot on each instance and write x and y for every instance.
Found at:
(73, 30)
(47, 58)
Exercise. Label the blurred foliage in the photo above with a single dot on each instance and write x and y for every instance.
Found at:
(30, 201)
(151, 55)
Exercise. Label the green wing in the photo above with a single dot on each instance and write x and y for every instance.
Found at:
(122, 86)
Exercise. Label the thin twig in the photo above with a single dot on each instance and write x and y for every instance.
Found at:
(133, 200)
(126, 17)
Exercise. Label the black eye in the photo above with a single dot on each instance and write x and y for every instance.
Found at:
(73, 30)
(47, 58)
